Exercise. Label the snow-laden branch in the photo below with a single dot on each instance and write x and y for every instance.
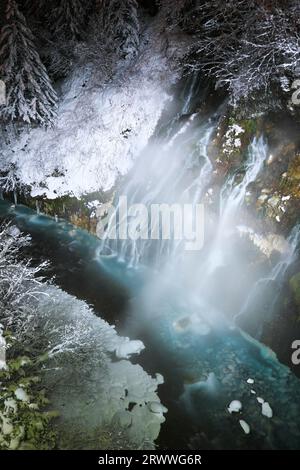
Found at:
(251, 47)
(20, 281)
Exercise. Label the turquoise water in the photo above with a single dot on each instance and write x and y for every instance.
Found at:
(206, 363)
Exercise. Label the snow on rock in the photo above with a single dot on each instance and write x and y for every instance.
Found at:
(260, 400)
(235, 406)
(159, 379)
(6, 426)
(266, 244)
(157, 407)
(232, 138)
(245, 426)
(250, 381)
(194, 323)
(21, 394)
(266, 410)
(10, 405)
(100, 130)
(128, 348)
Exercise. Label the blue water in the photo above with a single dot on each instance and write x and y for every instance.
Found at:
(205, 366)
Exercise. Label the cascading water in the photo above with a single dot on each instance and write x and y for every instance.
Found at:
(176, 169)
(231, 201)
(166, 174)
(233, 195)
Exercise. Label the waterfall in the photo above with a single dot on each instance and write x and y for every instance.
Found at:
(233, 195)
(231, 200)
(175, 169)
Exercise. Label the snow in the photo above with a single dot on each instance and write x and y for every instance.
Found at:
(235, 406)
(250, 381)
(232, 139)
(128, 348)
(93, 204)
(92, 390)
(21, 394)
(2, 350)
(100, 130)
(245, 426)
(10, 405)
(260, 400)
(238, 130)
(157, 407)
(159, 379)
(6, 426)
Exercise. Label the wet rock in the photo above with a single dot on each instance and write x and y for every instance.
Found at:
(294, 283)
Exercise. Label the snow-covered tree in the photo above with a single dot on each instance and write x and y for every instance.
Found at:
(68, 18)
(121, 26)
(9, 182)
(248, 46)
(30, 95)
(20, 283)
(175, 13)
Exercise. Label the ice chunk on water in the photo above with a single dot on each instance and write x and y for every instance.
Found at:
(266, 410)
(159, 379)
(235, 406)
(245, 426)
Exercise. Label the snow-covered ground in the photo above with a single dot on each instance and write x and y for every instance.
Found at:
(104, 401)
(100, 130)
(90, 384)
